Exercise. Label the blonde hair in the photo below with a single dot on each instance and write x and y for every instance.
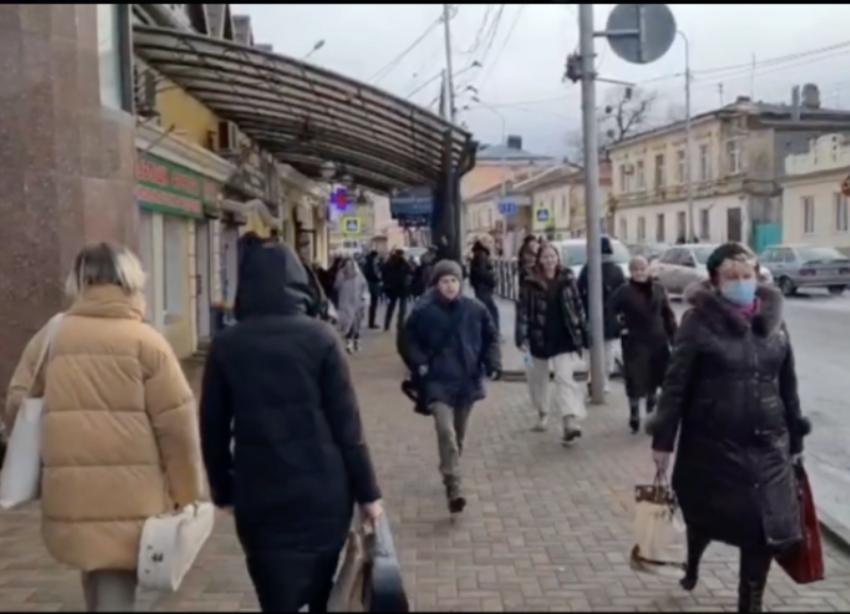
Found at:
(106, 264)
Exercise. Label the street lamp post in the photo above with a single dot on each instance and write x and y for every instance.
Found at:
(319, 44)
(688, 138)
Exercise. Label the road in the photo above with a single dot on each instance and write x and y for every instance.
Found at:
(819, 326)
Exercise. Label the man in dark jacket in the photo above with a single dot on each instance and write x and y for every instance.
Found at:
(451, 344)
(482, 278)
(276, 387)
(612, 278)
(372, 273)
(397, 275)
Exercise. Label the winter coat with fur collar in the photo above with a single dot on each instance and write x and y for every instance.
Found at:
(731, 394)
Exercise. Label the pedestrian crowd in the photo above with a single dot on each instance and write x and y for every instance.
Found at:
(279, 444)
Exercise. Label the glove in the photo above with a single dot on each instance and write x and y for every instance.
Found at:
(496, 375)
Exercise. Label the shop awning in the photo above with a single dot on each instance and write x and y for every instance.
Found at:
(305, 115)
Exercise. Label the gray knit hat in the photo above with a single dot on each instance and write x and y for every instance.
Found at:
(443, 268)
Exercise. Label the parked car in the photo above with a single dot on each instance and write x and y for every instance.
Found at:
(802, 266)
(650, 251)
(574, 254)
(682, 265)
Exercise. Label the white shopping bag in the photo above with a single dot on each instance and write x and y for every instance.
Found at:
(659, 543)
(20, 481)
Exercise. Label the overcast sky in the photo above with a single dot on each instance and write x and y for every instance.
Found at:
(523, 66)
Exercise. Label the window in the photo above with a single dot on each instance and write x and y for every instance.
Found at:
(660, 172)
(682, 226)
(114, 55)
(624, 180)
(840, 212)
(624, 229)
(733, 156)
(704, 163)
(808, 215)
(641, 229)
(641, 177)
(680, 167)
(659, 228)
(704, 224)
(174, 257)
(565, 212)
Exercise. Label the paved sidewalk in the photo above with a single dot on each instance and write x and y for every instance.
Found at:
(546, 529)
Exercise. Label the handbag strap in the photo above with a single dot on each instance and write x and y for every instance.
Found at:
(49, 334)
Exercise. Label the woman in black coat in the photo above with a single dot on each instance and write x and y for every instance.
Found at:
(731, 394)
(277, 388)
(648, 325)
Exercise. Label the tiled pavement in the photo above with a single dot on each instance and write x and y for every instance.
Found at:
(547, 528)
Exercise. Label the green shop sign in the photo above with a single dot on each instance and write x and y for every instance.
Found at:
(165, 187)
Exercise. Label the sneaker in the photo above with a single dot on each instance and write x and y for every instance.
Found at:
(542, 425)
(349, 346)
(572, 430)
(357, 345)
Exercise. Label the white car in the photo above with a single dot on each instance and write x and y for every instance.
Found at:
(574, 254)
(682, 265)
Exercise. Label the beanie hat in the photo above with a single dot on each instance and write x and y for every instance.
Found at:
(444, 268)
(605, 246)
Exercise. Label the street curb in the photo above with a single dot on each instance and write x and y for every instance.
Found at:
(834, 531)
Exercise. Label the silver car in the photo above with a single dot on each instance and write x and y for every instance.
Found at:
(802, 266)
(682, 265)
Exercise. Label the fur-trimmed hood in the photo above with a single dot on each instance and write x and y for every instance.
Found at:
(769, 317)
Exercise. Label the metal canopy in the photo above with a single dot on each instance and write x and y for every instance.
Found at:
(306, 116)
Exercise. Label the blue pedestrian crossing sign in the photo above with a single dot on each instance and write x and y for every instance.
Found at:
(507, 208)
(350, 225)
(543, 215)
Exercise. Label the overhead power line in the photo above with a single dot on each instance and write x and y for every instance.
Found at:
(492, 66)
(397, 60)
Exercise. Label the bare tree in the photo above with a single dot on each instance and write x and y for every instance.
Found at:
(626, 112)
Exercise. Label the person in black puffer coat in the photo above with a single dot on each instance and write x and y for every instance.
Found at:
(450, 346)
(482, 278)
(730, 394)
(276, 387)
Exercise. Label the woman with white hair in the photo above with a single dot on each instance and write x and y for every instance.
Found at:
(351, 291)
(120, 439)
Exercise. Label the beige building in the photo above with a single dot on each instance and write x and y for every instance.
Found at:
(366, 224)
(814, 209)
(737, 165)
(558, 199)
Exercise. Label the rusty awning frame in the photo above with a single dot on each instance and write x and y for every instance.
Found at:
(306, 116)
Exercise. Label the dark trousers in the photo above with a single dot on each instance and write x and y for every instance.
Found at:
(486, 297)
(753, 569)
(374, 299)
(286, 581)
(394, 300)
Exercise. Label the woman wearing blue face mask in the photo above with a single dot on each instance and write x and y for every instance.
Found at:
(730, 393)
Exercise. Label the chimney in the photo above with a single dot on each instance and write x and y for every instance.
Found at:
(742, 99)
(811, 96)
(514, 142)
(795, 103)
(265, 47)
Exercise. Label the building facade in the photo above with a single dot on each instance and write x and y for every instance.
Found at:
(814, 204)
(736, 171)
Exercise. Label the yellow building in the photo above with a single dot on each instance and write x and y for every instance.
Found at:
(814, 208)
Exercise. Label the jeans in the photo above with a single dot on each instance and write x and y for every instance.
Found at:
(374, 299)
(490, 303)
(451, 424)
(401, 301)
(568, 398)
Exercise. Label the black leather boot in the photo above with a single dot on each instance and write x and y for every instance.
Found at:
(750, 596)
(634, 415)
(696, 548)
(650, 403)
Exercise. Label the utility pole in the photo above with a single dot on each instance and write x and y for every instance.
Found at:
(452, 199)
(688, 139)
(598, 376)
(753, 80)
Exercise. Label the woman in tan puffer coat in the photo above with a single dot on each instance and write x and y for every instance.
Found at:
(120, 438)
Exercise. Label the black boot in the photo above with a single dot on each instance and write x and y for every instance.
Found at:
(696, 548)
(750, 596)
(634, 415)
(650, 403)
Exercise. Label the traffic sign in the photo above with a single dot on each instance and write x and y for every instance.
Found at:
(507, 208)
(641, 33)
(339, 198)
(350, 225)
(543, 215)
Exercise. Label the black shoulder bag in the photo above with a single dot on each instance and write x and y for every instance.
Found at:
(413, 386)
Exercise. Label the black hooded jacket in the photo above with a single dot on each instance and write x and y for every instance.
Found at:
(277, 386)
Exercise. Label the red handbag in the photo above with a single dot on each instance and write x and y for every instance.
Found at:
(804, 564)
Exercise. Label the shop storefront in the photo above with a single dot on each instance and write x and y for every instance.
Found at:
(178, 244)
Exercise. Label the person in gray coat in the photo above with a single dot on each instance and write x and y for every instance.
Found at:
(351, 290)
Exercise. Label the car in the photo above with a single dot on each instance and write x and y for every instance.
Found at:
(650, 251)
(682, 265)
(795, 267)
(574, 254)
